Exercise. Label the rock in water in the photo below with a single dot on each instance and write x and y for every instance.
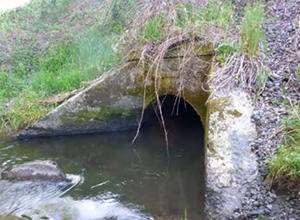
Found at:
(37, 170)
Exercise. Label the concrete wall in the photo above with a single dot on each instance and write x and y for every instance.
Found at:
(116, 100)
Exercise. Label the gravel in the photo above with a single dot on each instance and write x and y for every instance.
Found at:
(283, 40)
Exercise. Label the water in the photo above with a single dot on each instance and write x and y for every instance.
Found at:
(112, 179)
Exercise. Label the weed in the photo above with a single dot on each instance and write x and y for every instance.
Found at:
(285, 167)
(153, 28)
(185, 214)
(298, 73)
(262, 77)
(244, 65)
(218, 14)
(224, 50)
(252, 29)
(285, 100)
(25, 110)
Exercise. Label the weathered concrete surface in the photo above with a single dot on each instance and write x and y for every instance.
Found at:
(231, 166)
(115, 101)
(37, 170)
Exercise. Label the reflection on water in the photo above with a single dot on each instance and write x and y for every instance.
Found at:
(119, 179)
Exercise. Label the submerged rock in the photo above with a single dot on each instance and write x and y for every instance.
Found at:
(37, 170)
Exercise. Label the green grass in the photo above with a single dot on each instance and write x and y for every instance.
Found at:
(24, 110)
(184, 17)
(50, 47)
(285, 167)
(252, 29)
(42, 56)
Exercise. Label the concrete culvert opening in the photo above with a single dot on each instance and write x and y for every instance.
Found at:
(186, 151)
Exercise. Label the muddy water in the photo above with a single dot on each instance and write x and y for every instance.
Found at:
(112, 179)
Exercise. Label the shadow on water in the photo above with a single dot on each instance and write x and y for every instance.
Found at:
(135, 180)
(184, 183)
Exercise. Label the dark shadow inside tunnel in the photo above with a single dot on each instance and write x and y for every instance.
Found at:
(179, 117)
(185, 163)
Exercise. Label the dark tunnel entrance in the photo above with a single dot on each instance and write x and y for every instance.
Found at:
(184, 187)
(180, 119)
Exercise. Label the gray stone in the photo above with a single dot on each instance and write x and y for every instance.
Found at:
(256, 203)
(256, 212)
(269, 207)
(37, 170)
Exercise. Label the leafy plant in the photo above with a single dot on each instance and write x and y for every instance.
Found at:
(223, 51)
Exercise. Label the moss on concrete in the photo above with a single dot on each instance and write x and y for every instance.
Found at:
(103, 114)
(168, 84)
(117, 98)
(235, 113)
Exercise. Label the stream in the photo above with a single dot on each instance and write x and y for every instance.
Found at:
(111, 178)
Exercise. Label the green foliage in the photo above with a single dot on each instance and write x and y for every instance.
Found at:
(214, 13)
(95, 51)
(298, 73)
(285, 167)
(224, 50)
(262, 77)
(64, 67)
(183, 17)
(118, 15)
(218, 13)
(52, 46)
(56, 57)
(285, 100)
(36, 16)
(252, 29)
(41, 56)
(10, 85)
(153, 29)
(25, 109)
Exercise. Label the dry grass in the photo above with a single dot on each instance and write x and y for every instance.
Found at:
(54, 59)
(158, 25)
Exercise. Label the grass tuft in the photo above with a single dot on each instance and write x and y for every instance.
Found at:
(285, 167)
(252, 29)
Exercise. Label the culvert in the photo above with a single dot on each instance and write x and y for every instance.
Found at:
(175, 112)
(115, 102)
(185, 151)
